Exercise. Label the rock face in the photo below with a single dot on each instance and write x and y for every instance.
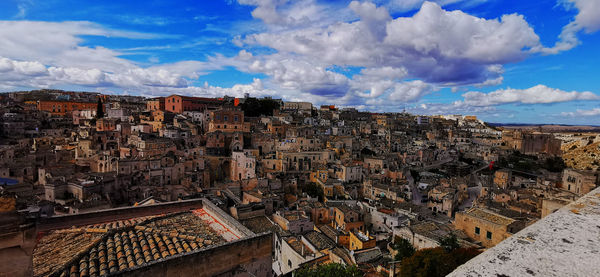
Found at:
(582, 157)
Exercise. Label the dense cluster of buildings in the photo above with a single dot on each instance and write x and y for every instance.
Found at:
(127, 185)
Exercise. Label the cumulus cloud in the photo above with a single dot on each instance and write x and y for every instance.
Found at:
(59, 44)
(373, 17)
(283, 14)
(539, 94)
(587, 20)
(398, 59)
(373, 82)
(437, 46)
(40, 75)
(300, 74)
(21, 67)
(410, 91)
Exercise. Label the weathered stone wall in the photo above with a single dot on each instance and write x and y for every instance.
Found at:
(67, 221)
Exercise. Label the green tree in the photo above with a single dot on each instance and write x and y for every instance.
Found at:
(100, 109)
(256, 107)
(404, 248)
(449, 242)
(314, 190)
(329, 270)
(554, 164)
(432, 262)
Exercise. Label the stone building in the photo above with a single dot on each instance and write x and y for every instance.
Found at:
(227, 121)
(242, 166)
(578, 181)
(180, 104)
(485, 226)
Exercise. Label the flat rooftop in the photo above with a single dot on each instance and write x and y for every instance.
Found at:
(564, 243)
(489, 216)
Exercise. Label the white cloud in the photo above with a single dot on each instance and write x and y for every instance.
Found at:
(539, 94)
(38, 74)
(587, 113)
(59, 44)
(587, 20)
(410, 91)
(283, 14)
(299, 74)
(433, 45)
(21, 67)
(400, 59)
(373, 17)
(409, 5)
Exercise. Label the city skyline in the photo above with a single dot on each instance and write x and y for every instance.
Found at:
(504, 61)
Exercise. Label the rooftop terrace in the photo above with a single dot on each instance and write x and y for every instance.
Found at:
(489, 216)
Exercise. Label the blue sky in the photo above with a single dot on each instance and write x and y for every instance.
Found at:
(504, 61)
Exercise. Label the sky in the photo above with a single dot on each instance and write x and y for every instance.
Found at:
(506, 61)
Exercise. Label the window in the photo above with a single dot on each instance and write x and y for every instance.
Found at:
(289, 263)
(477, 231)
(224, 118)
(488, 235)
(235, 118)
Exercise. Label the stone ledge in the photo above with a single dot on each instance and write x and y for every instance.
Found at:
(565, 243)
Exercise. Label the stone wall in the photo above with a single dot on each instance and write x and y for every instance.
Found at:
(67, 221)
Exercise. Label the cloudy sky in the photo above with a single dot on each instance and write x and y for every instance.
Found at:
(502, 60)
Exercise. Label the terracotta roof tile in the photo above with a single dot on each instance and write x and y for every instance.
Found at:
(113, 247)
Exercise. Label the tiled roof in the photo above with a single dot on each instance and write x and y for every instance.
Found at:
(299, 246)
(319, 240)
(329, 231)
(261, 224)
(55, 249)
(343, 254)
(110, 248)
(120, 223)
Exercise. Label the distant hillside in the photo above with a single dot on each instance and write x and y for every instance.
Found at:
(549, 127)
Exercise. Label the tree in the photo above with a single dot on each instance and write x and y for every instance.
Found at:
(100, 109)
(329, 270)
(554, 164)
(256, 107)
(404, 248)
(314, 190)
(449, 242)
(437, 261)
